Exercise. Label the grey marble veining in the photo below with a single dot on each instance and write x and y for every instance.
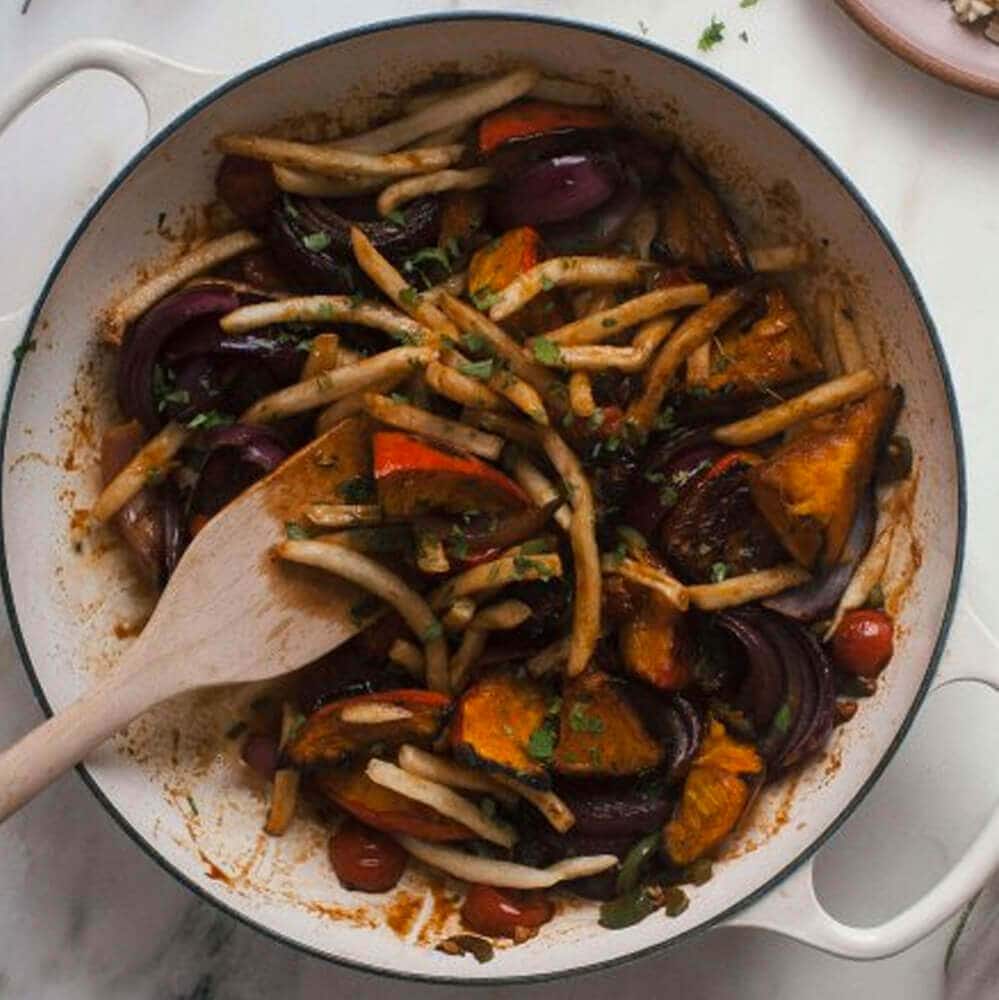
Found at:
(86, 914)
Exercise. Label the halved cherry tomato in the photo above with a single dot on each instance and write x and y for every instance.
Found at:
(530, 118)
(365, 859)
(499, 912)
(863, 643)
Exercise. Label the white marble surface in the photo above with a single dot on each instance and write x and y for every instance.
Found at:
(85, 914)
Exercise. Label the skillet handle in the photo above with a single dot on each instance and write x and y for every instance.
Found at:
(166, 87)
(793, 909)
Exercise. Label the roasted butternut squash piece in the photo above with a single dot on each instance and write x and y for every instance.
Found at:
(654, 643)
(496, 264)
(601, 733)
(343, 728)
(354, 792)
(714, 796)
(809, 488)
(501, 724)
(696, 231)
(771, 347)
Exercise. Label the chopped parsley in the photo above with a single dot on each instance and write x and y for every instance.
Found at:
(428, 255)
(155, 476)
(473, 342)
(744, 35)
(712, 35)
(554, 707)
(209, 419)
(179, 396)
(356, 299)
(719, 571)
(323, 311)
(524, 565)
(484, 298)
(596, 418)
(295, 531)
(409, 296)
(632, 538)
(535, 547)
(546, 351)
(481, 370)
(748, 3)
(400, 397)
(580, 722)
(316, 241)
(608, 322)
(669, 495)
(541, 745)
(596, 755)
(665, 420)
(397, 217)
(433, 631)
(782, 720)
(546, 283)
(358, 489)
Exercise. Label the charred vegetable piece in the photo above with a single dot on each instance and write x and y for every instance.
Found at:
(714, 797)
(764, 347)
(414, 476)
(381, 808)
(247, 187)
(654, 644)
(863, 642)
(496, 264)
(601, 734)
(810, 487)
(504, 912)
(696, 231)
(343, 728)
(364, 859)
(527, 119)
(715, 530)
(502, 724)
(463, 214)
(140, 521)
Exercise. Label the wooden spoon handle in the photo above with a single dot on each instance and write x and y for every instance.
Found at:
(59, 743)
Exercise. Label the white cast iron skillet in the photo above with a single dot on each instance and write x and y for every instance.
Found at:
(64, 605)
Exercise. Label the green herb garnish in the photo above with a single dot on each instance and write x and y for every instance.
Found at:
(396, 217)
(409, 296)
(580, 722)
(546, 283)
(712, 35)
(481, 370)
(782, 719)
(209, 419)
(433, 631)
(295, 531)
(719, 572)
(316, 241)
(484, 298)
(541, 745)
(546, 351)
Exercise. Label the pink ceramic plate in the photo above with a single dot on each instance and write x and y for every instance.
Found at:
(927, 34)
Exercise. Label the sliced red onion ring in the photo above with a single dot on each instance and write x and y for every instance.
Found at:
(145, 340)
(555, 190)
(598, 228)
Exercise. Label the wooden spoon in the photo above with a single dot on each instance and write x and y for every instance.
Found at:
(231, 612)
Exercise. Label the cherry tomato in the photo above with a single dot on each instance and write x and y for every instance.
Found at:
(498, 912)
(365, 859)
(863, 642)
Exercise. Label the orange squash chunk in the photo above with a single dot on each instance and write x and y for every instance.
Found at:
(381, 808)
(495, 722)
(495, 265)
(654, 643)
(809, 488)
(600, 732)
(414, 476)
(336, 731)
(775, 349)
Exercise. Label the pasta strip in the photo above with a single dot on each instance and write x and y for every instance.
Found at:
(199, 260)
(326, 309)
(581, 400)
(785, 257)
(608, 323)
(358, 569)
(148, 464)
(848, 346)
(412, 418)
(743, 589)
(452, 384)
(318, 158)
(822, 399)
(327, 387)
(565, 272)
(695, 330)
(585, 554)
(401, 192)
(447, 772)
(494, 575)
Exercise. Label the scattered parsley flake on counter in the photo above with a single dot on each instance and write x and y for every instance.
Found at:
(316, 241)
(643, 27)
(546, 351)
(744, 35)
(782, 720)
(748, 3)
(712, 35)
